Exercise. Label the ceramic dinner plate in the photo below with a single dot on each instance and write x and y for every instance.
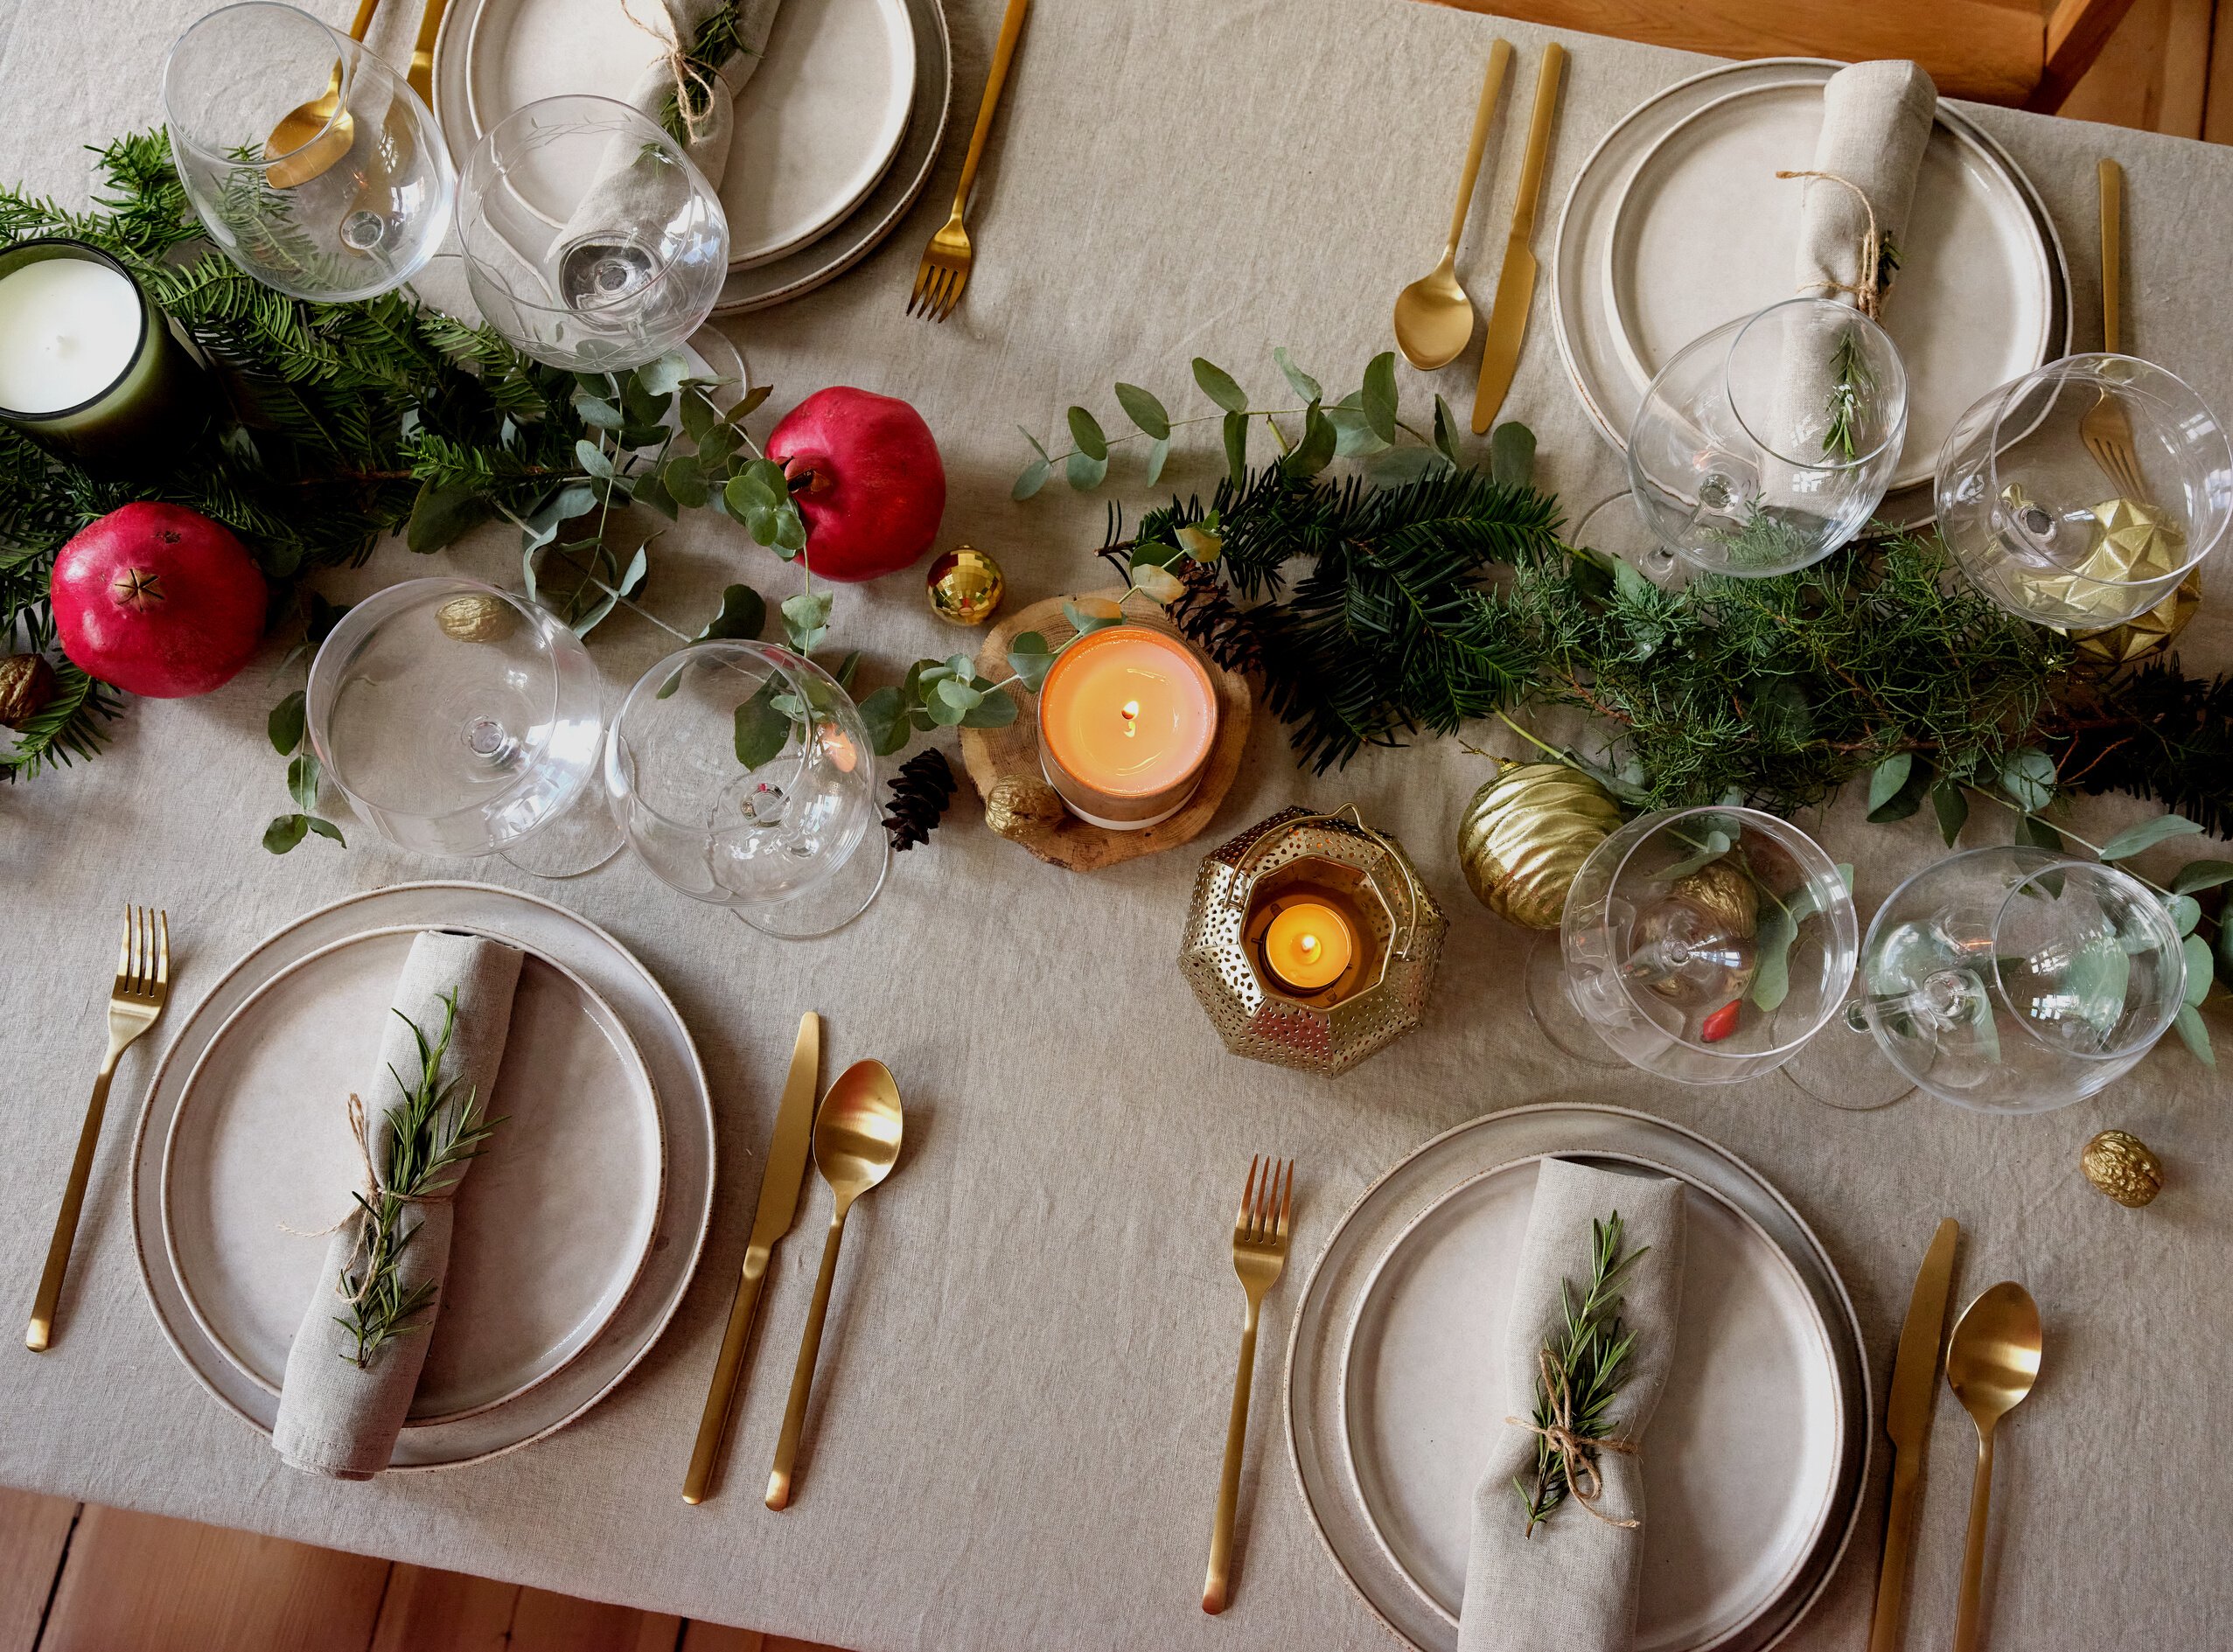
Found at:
(553, 1223)
(1676, 223)
(1760, 1440)
(501, 1372)
(835, 132)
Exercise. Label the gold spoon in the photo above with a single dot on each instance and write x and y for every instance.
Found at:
(856, 1141)
(308, 138)
(1991, 1364)
(1434, 316)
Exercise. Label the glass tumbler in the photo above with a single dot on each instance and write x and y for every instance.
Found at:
(2080, 495)
(308, 159)
(1768, 443)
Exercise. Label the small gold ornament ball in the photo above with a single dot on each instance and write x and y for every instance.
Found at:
(1020, 807)
(476, 618)
(966, 586)
(2122, 1166)
(1526, 834)
(26, 684)
(1722, 891)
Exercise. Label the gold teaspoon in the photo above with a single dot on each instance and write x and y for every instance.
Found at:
(1991, 1366)
(305, 143)
(856, 1141)
(1434, 316)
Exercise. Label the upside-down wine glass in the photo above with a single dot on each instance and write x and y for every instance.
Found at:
(744, 778)
(1767, 444)
(352, 212)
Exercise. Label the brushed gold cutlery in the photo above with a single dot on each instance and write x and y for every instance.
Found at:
(306, 125)
(135, 1000)
(1907, 1419)
(857, 1143)
(1516, 282)
(1991, 1364)
(1434, 315)
(780, 1182)
(945, 269)
(1259, 1252)
(2106, 428)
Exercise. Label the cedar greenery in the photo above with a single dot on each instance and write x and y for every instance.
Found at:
(1587, 1355)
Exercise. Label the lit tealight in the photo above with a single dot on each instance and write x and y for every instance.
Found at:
(1309, 945)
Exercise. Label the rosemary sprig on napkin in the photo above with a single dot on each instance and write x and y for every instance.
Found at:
(430, 1134)
(1850, 378)
(1581, 1373)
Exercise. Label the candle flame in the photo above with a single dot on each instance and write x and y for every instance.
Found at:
(1130, 712)
(1309, 945)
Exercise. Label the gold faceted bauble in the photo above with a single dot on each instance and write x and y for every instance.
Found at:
(2151, 633)
(966, 586)
(2132, 543)
(1021, 807)
(476, 618)
(26, 684)
(1526, 834)
(1722, 891)
(2122, 1166)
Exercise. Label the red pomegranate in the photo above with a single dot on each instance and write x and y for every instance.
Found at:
(875, 487)
(158, 599)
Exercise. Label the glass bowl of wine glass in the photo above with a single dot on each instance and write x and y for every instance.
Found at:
(1705, 945)
(307, 158)
(2012, 979)
(744, 776)
(1768, 443)
(2080, 495)
(456, 718)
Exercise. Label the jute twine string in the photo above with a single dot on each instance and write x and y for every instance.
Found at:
(360, 1132)
(1867, 292)
(693, 88)
(1582, 1478)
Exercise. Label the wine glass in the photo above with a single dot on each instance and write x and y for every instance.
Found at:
(2080, 495)
(744, 776)
(1704, 946)
(1615, 526)
(355, 209)
(457, 720)
(591, 241)
(2011, 979)
(1765, 445)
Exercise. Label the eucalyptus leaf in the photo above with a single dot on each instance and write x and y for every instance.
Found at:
(744, 613)
(1083, 471)
(2029, 778)
(1161, 584)
(303, 776)
(2193, 1033)
(1155, 554)
(685, 480)
(1378, 396)
(1159, 452)
(441, 515)
(1036, 447)
(326, 829)
(1029, 480)
(718, 446)
(652, 494)
(1030, 659)
(2198, 968)
(1141, 407)
(1219, 386)
(1715, 844)
(1236, 432)
(2185, 912)
(749, 403)
(1353, 437)
(942, 713)
(885, 713)
(699, 414)
(1394, 467)
(1951, 804)
(1083, 619)
(285, 832)
(2197, 876)
(1885, 779)
(996, 710)
(1316, 451)
(761, 730)
(2030, 829)
(1907, 796)
(598, 413)
(592, 458)
(1446, 440)
(285, 724)
(1200, 541)
(1511, 455)
(2147, 835)
(1085, 432)
(805, 620)
(1301, 382)
(665, 376)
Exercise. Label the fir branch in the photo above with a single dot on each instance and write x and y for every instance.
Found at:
(1587, 1356)
(2153, 732)
(68, 727)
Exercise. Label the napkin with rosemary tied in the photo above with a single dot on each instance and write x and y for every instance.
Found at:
(1555, 1558)
(419, 1120)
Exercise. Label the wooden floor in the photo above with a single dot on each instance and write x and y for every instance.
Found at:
(79, 1577)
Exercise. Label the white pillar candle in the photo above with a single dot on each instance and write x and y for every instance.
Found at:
(69, 330)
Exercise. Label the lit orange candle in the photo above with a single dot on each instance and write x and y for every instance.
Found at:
(1309, 945)
(1127, 718)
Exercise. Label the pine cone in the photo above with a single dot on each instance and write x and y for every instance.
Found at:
(919, 794)
(26, 684)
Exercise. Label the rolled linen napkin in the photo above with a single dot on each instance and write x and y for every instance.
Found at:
(635, 188)
(335, 1416)
(1572, 1584)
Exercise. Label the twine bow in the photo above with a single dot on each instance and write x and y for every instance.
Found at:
(1867, 292)
(693, 88)
(361, 1132)
(1576, 1451)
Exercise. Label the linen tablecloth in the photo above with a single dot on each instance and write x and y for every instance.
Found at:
(1022, 1398)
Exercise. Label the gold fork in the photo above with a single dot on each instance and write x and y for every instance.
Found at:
(1259, 1251)
(946, 260)
(2106, 428)
(142, 984)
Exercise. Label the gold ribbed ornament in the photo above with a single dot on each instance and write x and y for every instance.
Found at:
(2122, 1166)
(476, 618)
(1526, 834)
(1722, 891)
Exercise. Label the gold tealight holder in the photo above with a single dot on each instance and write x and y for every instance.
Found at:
(1351, 990)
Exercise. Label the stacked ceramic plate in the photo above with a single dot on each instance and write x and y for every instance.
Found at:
(1678, 223)
(836, 129)
(577, 1232)
(1756, 1458)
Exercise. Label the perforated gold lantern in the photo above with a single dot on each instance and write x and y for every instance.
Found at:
(1390, 940)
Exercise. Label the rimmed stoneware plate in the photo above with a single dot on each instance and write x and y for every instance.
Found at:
(553, 1223)
(804, 196)
(569, 946)
(1400, 1323)
(1676, 223)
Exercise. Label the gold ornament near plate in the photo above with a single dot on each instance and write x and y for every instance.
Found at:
(2151, 633)
(2121, 1166)
(1526, 834)
(1336, 860)
(475, 618)
(966, 586)
(2131, 544)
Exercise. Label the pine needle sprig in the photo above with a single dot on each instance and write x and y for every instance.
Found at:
(429, 1136)
(1588, 1354)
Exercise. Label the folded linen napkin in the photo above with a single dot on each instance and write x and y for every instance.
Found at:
(635, 186)
(1876, 121)
(1572, 1584)
(335, 1418)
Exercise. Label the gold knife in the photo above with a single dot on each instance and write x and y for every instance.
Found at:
(1907, 1419)
(421, 71)
(1516, 286)
(779, 1186)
